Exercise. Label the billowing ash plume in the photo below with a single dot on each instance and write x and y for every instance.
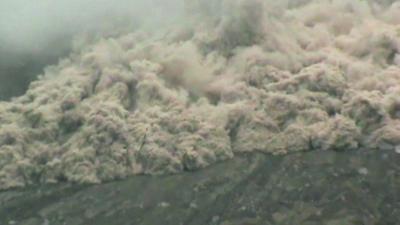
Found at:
(36, 34)
(237, 76)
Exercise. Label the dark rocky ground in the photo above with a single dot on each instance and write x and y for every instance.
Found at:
(333, 188)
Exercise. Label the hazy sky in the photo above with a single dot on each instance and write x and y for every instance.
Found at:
(27, 25)
(34, 34)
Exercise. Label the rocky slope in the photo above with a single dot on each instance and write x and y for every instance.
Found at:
(323, 187)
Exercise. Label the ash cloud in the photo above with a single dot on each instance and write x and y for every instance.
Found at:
(36, 34)
(231, 77)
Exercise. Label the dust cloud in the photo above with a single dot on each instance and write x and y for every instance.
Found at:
(233, 76)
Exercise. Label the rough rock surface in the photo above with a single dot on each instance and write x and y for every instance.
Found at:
(321, 187)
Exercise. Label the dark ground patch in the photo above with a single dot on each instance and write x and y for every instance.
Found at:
(322, 187)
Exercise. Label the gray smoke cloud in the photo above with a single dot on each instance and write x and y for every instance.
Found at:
(231, 77)
(27, 25)
(35, 34)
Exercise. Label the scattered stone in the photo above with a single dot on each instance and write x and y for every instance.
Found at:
(164, 204)
(363, 171)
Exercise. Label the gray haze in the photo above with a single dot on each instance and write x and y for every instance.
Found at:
(28, 25)
(36, 33)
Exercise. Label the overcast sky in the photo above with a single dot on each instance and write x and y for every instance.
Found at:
(26, 24)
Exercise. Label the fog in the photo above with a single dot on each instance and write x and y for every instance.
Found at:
(34, 34)
(28, 26)
(200, 83)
